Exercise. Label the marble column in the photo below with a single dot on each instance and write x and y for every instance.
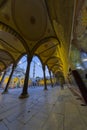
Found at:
(45, 85)
(81, 85)
(2, 78)
(24, 93)
(51, 79)
(7, 85)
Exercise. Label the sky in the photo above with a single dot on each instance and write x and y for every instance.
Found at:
(38, 67)
(34, 64)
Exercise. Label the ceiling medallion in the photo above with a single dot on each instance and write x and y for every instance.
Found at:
(30, 18)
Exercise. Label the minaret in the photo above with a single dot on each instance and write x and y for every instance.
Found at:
(34, 71)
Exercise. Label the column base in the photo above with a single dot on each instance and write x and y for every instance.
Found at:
(24, 96)
(5, 92)
(45, 89)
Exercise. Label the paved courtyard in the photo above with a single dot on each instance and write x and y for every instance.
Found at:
(54, 109)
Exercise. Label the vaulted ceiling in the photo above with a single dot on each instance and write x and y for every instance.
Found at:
(46, 28)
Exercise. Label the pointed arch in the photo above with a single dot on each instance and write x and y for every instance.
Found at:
(10, 30)
(52, 57)
(42, 41)
(7, 53)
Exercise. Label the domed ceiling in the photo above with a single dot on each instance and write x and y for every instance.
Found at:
(43, 28)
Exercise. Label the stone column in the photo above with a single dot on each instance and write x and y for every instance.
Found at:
(2, 78)
(45, 85)
(24, 93)
(6, 88)
(51, 79)
(81, 85)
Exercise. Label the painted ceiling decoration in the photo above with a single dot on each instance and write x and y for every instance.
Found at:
(46, 28)
(80, 26)
(36, 18)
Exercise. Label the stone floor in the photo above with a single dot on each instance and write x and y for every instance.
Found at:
(54, 109)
